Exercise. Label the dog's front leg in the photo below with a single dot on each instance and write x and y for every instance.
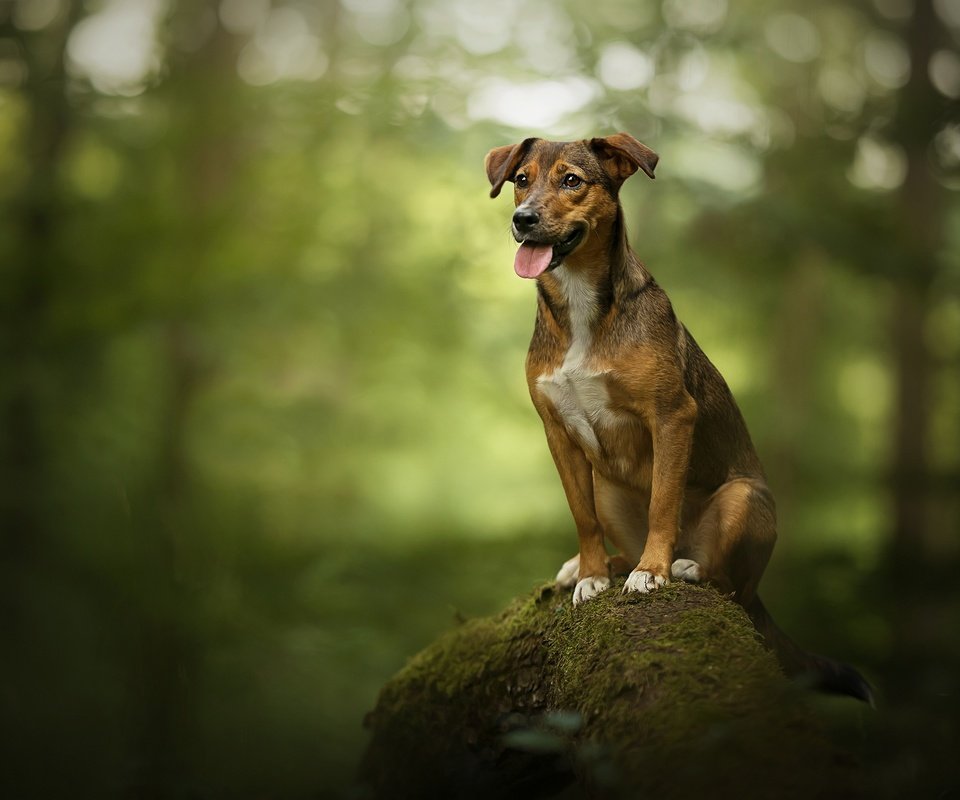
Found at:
(576, 475)
(672, 435)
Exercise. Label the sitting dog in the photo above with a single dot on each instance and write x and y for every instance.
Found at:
(651, 448)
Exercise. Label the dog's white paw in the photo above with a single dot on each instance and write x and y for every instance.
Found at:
(589, 588)
(642, 581)
(569, 573)
(686, 569)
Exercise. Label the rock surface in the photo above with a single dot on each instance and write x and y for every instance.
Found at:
(670, 694)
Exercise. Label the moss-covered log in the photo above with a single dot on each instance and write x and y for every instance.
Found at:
(667, 695)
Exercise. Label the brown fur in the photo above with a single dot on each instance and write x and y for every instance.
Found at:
(662, 464)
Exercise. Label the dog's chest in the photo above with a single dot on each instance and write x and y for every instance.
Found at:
(576, 388)
(582, 401)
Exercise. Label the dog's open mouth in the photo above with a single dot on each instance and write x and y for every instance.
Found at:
(534, 258)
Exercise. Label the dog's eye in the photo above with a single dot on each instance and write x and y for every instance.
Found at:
(572, 181)
(521, 181)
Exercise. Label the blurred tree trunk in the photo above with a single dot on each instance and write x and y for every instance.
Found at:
(800, 321)
(198, 96)
(918, 619)
(921, 214)
(166, 655)
(30, 273)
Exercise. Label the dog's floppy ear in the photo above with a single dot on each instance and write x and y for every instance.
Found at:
(502, 162)
(621, 155)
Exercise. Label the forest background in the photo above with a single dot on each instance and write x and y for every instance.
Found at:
(264, 430)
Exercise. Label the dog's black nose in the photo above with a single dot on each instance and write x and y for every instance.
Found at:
(524, 219)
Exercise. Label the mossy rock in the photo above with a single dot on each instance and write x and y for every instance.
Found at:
(670, 694)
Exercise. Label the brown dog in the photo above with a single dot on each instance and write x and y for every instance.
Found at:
(651, 448)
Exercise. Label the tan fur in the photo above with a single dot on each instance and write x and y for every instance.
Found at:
(651, 448)
(636, 484)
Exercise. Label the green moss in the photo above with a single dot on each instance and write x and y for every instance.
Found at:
(659, 692)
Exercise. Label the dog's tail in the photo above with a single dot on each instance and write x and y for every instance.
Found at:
(818, 672)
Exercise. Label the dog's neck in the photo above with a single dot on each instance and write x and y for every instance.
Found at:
(588, 284)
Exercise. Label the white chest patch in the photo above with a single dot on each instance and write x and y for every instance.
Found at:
(577, 392)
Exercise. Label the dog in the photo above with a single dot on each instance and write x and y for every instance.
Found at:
(652, 450)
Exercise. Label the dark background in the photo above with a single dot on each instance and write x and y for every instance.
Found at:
(264, 430)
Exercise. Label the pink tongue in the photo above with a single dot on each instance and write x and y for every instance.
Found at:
(532, 259)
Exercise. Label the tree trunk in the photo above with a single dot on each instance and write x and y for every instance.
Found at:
(34, 260)
(921, 212)
(168, 653)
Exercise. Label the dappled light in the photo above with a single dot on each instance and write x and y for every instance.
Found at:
(115, 48)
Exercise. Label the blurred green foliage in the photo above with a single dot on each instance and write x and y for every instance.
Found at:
(264, 425)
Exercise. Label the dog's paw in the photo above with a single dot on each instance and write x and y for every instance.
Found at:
(569, 573)
(686, 569)
(589, 588)
(642, 581)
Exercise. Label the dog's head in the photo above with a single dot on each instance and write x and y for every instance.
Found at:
(563, 191)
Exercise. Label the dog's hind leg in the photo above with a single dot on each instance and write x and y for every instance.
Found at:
(731, 542)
